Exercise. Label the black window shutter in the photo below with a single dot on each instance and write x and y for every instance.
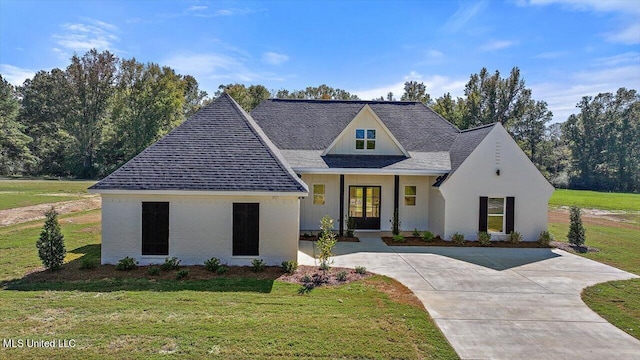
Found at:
(509, 227)
(482, 222)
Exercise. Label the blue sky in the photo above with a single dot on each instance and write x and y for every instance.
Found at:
(565, 48)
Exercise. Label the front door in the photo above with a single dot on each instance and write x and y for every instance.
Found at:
(364, 206)
(246, 230)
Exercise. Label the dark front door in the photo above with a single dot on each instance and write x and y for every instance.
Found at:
(246, 228)
(364, 206)
(155, 228)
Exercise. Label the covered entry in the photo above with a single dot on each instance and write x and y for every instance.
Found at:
(364, 206)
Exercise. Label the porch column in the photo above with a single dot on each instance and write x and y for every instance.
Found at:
(341, 205)
(396, 194)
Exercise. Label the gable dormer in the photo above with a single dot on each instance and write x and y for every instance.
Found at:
(366, 134)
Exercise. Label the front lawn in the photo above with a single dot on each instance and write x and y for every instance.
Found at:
(19, 193)
(223, 317)
(618, 302)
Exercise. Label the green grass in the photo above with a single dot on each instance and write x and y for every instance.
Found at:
(619, 247)
(618, 302)
(595, 200)
(19, 193)
(222, 317)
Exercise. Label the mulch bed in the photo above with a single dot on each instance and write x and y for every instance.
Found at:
(340, 238)
(573, 248)
(71, 272)
(437, 241)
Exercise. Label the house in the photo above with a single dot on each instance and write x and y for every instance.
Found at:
(239, 186)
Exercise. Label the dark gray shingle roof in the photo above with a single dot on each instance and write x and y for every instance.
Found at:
(220, 148)
(314, 124)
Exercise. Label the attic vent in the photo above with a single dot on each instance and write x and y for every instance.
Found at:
(497, 152)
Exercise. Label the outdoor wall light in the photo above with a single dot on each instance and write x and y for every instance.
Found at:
(498, 172)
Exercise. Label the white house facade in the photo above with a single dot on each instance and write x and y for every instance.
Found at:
(239, 186)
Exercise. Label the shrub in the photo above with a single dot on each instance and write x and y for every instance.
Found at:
(457, 239)
(326, 241)
(416, 233)
(484, 238)
(545, 238)
(361, 270)
(306, 288)
(212, 264)
(341, 276)
(351, 226)
(576, 235)
(50, 245)
(153, 271)
(170, 263)
(181, 274)
(427, 236)
(306, 279)
(221, 270)
(290, 266)
(398, 238)
(127, 264)
(324, 267)
(395, 223)
(257, 265)
(515, 237)
(88, 264)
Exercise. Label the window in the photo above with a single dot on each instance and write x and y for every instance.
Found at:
(155, 228)
(318, 194)
(365, 138)
(410, 196)
(495, 215)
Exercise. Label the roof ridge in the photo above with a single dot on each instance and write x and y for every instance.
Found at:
(345, 101)
(478, 127)
(271, 148)
(441, 117)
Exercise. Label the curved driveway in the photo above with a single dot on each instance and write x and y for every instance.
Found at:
(495, 303)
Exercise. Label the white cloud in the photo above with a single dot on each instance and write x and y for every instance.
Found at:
(435, 54)
(497, 45)
(233, 11)
(563, 94)
(84, 36)
(437, 85)
(15, 75)
(197, 8)
(273, 58)
(462, 16)
(627, 12)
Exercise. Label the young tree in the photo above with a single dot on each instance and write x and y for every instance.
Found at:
(576, 235)
(326, 241)
(50, 245)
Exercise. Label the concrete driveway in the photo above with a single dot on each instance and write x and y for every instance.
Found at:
(499, 303)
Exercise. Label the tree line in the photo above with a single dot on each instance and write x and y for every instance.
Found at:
(99, 112)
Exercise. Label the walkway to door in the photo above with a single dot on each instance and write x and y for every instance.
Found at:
(499, 303)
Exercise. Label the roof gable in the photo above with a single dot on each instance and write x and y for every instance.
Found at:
(315, 124)
(220, 148)
(366, 119)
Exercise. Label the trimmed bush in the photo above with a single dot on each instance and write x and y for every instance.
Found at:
(88, 264)
(326, 241)
(221, 270)
(341, 276)
(290, 266)
(484, 238)
(181, 274)
(170, 263)
(427, 236)
(515, 237)
(50, 245)
(127, 264)
(153, 271)
(212, 264)
(545, 238)
(361, 270)
(457, 239)
(576, 235)
(351, 226)
(257, 265)
(398, 238)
